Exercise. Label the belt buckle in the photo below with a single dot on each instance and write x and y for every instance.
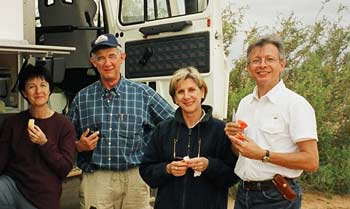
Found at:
(258, 186)
(247, 185)
(252, 185)
(244, 185)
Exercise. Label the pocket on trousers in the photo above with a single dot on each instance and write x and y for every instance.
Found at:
(273, 194)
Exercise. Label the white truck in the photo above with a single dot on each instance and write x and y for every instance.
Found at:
(158, 36)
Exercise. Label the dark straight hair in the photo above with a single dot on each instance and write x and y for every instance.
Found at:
(29, 72)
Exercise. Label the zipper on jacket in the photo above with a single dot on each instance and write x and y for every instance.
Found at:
(189, 142)
(186, 176)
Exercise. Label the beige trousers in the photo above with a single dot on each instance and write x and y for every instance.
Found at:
(114, 190)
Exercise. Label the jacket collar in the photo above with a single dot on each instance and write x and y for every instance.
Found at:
(208, 114)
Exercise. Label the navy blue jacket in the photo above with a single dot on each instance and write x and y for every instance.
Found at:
(208, 191)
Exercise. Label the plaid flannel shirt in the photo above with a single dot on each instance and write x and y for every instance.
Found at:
(125, 117)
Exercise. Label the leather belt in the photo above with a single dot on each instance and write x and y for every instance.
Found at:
(260, 185)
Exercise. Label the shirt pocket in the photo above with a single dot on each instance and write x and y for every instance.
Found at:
(273, 131)
(131, 127)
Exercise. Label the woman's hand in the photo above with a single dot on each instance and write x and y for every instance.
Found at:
(199, 164)
(36, 135)
(177, 168)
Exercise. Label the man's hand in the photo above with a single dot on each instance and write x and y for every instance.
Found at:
(87, 142)
(232, 128)
(247, 147)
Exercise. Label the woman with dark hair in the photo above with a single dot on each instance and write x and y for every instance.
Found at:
(36, 147)
(189, 157)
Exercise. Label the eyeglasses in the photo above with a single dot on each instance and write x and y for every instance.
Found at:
(267, 60)
(177, 158)
(111, 57)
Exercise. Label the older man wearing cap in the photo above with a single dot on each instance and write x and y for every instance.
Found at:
(114, 118)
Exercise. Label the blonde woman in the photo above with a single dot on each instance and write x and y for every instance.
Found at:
(189, 158)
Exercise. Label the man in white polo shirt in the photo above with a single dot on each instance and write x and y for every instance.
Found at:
(281, 137)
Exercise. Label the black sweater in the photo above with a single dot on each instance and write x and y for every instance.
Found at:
(208, 191)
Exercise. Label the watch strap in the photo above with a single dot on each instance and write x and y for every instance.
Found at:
(266, 157)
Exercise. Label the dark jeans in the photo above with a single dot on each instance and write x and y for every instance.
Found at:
(10, 197)
(268, 199)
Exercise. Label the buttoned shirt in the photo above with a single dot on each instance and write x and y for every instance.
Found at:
(276, 122)
(124, 115)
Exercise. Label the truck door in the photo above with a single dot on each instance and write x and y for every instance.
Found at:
(161, 36)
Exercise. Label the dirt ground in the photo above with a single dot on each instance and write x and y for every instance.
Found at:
(322, 201)
(319, 201)
(70, 199)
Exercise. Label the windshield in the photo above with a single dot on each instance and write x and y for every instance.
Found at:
(138, 11)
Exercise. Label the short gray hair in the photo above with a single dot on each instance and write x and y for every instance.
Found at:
(268, 39)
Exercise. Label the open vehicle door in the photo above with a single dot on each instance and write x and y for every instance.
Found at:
(161, 36)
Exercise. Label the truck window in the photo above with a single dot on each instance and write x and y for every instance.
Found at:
(140, 11)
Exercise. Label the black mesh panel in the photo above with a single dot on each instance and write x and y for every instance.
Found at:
(161, 57)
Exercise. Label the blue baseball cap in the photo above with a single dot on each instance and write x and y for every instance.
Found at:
(104, 41)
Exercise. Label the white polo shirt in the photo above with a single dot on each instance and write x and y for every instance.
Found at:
(276, 122)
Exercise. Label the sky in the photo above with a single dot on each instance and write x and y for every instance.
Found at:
(266, 13)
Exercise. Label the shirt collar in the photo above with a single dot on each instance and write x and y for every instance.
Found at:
(271, 95)
(115, 89)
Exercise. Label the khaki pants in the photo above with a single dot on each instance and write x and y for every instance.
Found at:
(114, 190)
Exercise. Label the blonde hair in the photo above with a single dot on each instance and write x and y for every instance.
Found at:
(183, 74)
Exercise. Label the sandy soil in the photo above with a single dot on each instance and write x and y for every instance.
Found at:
(322, 201)
(319, 201)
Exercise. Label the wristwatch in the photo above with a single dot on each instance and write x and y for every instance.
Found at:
(266, 157)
